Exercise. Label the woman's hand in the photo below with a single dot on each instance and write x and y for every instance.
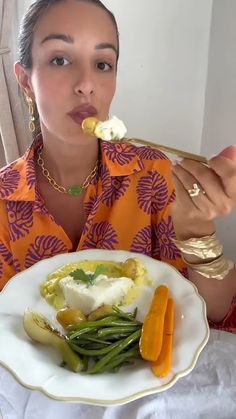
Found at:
(203, 193)
(193, 216)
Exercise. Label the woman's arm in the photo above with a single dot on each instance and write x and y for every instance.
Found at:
(217, 294)
(193, 217)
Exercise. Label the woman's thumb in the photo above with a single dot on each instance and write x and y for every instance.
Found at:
(229, 152)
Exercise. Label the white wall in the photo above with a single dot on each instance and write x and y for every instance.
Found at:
(163, 68)
(220, 109)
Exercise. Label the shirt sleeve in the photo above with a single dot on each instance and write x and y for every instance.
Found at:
(164, 248)
(7, 262)
(168, 251)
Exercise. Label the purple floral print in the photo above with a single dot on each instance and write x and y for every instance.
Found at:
(172, 198)
(148, 153)
(9, 182)
(120, 153)
(152, 193)
(165, 233)
(20, 218)
(114, 187)
(30, 174)
(8, 258)
(142, 242)
(43, 248)
(91, 208)
(101, 236)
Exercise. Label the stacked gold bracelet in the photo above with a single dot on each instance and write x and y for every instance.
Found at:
(207, 247)
(216, 269)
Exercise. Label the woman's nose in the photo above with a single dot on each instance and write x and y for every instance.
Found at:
(85, 84)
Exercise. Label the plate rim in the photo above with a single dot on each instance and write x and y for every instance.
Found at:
(138, 394)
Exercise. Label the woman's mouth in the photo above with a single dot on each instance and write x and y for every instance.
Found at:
(82, 112)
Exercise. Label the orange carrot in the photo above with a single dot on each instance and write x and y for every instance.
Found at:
(152, 331)
(162, 366)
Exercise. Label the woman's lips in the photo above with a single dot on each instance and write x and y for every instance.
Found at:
(81, 112)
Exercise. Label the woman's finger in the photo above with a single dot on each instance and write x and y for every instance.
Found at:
(229, 152)
(188, 204)
(215, 201)
(225, 168)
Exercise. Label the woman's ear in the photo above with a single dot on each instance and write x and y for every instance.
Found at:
(24, 79)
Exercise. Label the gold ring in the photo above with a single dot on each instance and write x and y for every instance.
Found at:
(195, 191)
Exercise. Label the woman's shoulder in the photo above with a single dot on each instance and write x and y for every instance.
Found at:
(19, 165)
(14, 178)
(126, 152)
(145, 152)
(13, 166)
(11, 169)
(124, 159)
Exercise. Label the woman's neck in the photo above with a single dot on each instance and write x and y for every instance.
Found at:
(69, 163)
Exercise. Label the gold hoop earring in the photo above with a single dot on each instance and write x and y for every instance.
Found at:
(31, 114)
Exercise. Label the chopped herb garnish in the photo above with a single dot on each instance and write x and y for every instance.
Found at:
(100, 269)
(80, 275)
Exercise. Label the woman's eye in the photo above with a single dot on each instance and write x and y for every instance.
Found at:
(104, 66)
(60, 61)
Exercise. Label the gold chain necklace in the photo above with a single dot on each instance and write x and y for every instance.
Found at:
(73, 190)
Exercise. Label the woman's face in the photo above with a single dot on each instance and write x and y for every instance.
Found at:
(74, 67)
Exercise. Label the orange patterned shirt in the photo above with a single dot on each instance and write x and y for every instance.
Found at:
(127, 207)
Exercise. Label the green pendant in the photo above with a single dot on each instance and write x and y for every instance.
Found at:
(75, 190)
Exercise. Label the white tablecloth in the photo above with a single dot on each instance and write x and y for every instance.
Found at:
(209, 392)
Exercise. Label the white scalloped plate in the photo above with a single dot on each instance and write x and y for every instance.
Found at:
(37, 367)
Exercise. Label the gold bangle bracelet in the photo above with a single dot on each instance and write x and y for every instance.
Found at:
(216, 269)
(206, 247)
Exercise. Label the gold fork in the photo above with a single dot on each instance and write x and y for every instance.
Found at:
(91, 124)
(171, 150)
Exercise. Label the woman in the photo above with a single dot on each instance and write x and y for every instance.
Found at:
(72, 192)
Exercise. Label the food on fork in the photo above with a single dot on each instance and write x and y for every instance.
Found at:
(114, 130)
(111, 129)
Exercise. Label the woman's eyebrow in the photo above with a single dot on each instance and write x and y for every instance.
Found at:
(66, 38)
(106, 45)
(69, 40)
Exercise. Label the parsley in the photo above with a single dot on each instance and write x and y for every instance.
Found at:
(80, 275)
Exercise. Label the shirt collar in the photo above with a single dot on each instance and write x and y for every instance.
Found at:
(121, 159)
(18, 179)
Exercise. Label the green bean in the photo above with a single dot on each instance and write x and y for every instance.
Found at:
(94, 352)
(106, 331)
(85, 327)
(81, 332)
(119, 336)
(95, 323)
(120, 359)
(106, 321)
(108, 343)
(125, 315)
(89, 345)
(115, 351)
(86, 339)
